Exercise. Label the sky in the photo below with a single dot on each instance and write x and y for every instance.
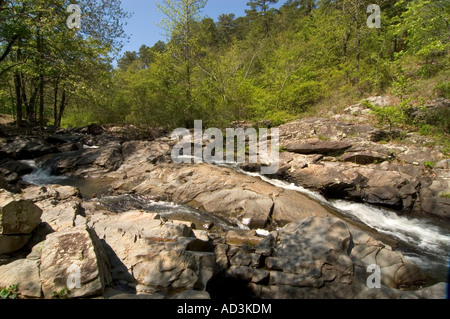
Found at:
(142, 26)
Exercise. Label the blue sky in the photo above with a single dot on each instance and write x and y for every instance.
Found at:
(142, 28)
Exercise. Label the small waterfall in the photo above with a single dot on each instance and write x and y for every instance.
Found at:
(41, 175)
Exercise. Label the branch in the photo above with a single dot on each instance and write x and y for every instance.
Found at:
(8, 48)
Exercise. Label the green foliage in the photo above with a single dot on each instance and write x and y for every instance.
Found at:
(429, 165)
(442, 89)
(10, 292)
(390, 116)
(62, 294)
(445, 195)
(269, 64)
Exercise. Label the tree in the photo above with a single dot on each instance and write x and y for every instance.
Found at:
(127, 60)
(43, 51)
(261, 8)
(180, 25)
(226, 28)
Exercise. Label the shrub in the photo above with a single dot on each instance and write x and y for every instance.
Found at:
(10, 292)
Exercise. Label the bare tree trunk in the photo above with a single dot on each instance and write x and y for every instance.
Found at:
(358, 41)
(41, 102)
(55, 105)
(62, 106)
(40, 45)
(19, 101)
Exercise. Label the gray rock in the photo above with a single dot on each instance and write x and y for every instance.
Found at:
(76, 247)
(28, 148)
(17, 216)
(192, 295)
(317, 147)
(25, 274)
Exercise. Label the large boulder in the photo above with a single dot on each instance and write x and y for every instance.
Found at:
(17, 215)
(158, 255)
(79, 249)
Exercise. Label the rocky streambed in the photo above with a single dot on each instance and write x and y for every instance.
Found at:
(136, 225)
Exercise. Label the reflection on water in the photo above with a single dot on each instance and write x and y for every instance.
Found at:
(89, 188)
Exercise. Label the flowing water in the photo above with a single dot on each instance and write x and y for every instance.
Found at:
(426, 242)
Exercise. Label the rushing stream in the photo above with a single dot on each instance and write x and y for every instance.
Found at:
(426, 242)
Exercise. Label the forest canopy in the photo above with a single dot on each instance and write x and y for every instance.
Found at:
(271, 64)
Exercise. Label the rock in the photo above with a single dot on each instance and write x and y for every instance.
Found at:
(242, 237)
(61, 216)
(438, 291)
(25, 274)
(28, 148)
(123, 239)
(85, 162)
(80, 248)
(168, 271)
(313, 239)
(51, 192)
(444, 164)
(9, 181)
(95, 129)
(12, 243)
(364, 158)
(17, 216)
(317, 147)
(192, 294)
(218, 191)
(13, 166)
(396, 271)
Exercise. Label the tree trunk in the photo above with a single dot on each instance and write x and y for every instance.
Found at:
(41, 102)
(62, 106)
(40, 44)
(358, 41)
(55, 104)
(19, 101)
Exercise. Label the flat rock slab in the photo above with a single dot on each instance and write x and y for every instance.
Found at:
(317, 147)
(364, 158)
